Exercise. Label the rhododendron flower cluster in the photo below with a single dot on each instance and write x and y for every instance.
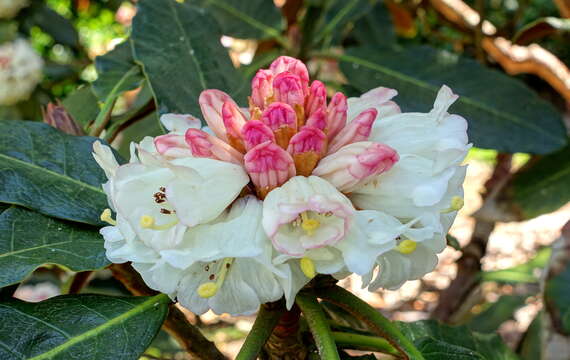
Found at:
(253, 206)
(9, 8)
(20, 71)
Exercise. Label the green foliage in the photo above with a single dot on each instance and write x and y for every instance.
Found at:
(51, 172)
(116, 72)
(179, 48)
(524, 273)
(255, 19)
(543, 188)
(29, 239)
(437, 341)
(557, 292)
(503, 113)
(91, 327)
(497, 313)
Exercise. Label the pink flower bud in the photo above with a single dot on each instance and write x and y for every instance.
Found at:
(287, 88)
(318, 119)
(261, 88)
(317, 99)
(211, 102)
(205, 145)
(307, 147)
(336, 115)
(292, 65)
(59, 118)
(282, 120)
(233, 122)
(172, 146)
(355, 164)
(254, 132)
(357, 130)
(269, 166)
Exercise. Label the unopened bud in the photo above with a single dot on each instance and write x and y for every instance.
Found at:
(357, 130)
(355, 164)
(268, 166)
(307, 147)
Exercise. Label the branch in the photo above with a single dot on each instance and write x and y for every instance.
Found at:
(176, 324)
(515, 59)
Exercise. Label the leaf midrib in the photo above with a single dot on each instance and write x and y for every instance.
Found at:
(423, 84)
(545, 180)
(52, 173)
(161, 298)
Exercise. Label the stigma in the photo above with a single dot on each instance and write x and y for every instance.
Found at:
(407, 246)
(148, 222)
(209, 289)
(455, 205)
(308, 267)
(106, 217)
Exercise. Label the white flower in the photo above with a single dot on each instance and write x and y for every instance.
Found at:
(9, 8)
(251, 208)
(20, 71)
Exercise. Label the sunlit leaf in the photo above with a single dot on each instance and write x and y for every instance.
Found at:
(503, 113)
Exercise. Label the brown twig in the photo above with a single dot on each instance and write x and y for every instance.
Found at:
(469, 265)
(515, 59)
(176, 324)
(284, 342)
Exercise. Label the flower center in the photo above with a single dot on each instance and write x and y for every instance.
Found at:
(211, 288)
(308, 224)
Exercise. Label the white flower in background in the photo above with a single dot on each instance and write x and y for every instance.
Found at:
(252, 207)
(20, 71)
(9, 8)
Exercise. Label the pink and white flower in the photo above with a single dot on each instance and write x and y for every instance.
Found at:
(254, 205)
(20, 71)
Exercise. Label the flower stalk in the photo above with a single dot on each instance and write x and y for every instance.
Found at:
(266, 320)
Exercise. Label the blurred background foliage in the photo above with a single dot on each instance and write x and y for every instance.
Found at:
(508, 69)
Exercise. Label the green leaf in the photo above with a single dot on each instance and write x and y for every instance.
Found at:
(57, 26)
(180, 50)
(503, 113)
(81, 327)
(543, 187)
(252, 19)
(82, 105)
(530, 347)
(557, 288)
(438, 341)
(497, 313)
(29, 239)
(376, 28)
(51, 172)
(116, 72)
(521, 273)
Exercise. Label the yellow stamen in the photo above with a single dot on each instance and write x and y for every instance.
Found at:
(147, 222)
(456, 205)
(308, 267)
(210, 289)
(106, 217)
(407, 246)
(308, 224)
